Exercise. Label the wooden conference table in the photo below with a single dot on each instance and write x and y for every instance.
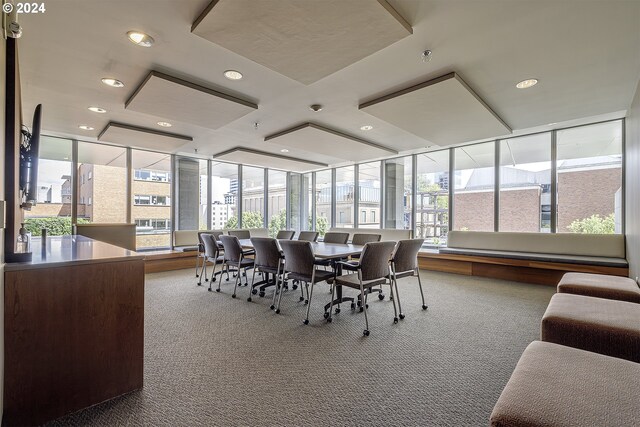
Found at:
(327, 251)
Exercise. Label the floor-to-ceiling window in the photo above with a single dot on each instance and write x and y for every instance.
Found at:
(589, 173)
(252, 197)
(369, 195)
(432, 197)
(323, 201)
(224, 195)
(277, 197)
(102, 183)
(474, 180)
(151, 198)
(53, 201)
(398, 193)
(345, 193)
(525, 183)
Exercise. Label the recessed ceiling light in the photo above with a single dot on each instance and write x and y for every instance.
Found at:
(141, 39)
(85, 127)
(97, 110)
(233, 74)
(112, 82)
(284, 150)
(315, 108)
(527, 83)
(366, 127)
(165, 124)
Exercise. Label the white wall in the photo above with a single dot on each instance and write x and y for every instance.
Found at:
(632, 185)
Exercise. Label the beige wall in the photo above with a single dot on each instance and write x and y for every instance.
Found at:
(632, 185)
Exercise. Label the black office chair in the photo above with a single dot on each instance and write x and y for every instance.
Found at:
(308, 236)
(285, 234)
(235, 257)
(268, 260)
(300, 264)
(373, 270)
(336, 237)
(200, 254)
(211, 254)
(404, 263)
(240, 234)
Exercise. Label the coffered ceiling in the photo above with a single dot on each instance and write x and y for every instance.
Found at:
(585, 57)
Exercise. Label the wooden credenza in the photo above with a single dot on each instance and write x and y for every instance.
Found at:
(74, 329)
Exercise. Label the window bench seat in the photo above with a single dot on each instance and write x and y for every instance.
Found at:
(528, 257)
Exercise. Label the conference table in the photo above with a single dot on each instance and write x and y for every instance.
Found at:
(325, 251)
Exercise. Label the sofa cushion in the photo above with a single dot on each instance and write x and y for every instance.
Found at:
(596, 245)
(553, 385)
(594, 324)
(600, 286)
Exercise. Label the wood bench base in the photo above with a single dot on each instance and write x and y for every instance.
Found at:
(519, 270)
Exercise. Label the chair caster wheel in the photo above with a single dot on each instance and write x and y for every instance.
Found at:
(246, 284)
(395, 320)
(213, 280)
(301, 298)
(206, 280)
(294, 287)
(199, 284)
(365, 333)
(380, 297)
(326, 315)
(329, 320)
(424, 307)
(361, 309)
(306, 302)
(261, 295)
(210, 290)
(249, 299)
(390, 298)
(306, 321)
(233, 296)
(337, 310)
(197, 275)
(254, 291)
(366, 305)
(217, 290)
(353, 306)
(278, 311)
(272, 307)
(401, 316)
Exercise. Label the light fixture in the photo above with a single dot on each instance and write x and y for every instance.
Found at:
(141, 39)
(284, 150)
(85, 127)
(97, 110)
(65, 158)
(315, 108)
(165, 124)
(551, 124)
(366, 127)
(426, 55)
(527, 83)
(233, 74)
(112, 82)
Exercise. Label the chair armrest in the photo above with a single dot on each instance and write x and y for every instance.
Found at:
(355, 265)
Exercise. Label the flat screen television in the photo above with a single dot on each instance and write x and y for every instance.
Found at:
(29, 149)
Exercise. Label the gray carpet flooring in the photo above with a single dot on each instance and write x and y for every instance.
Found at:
(214, 360)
